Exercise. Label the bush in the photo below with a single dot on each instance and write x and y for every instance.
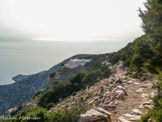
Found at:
(42, 115)
(106, 73)
(143, 78)
(76, 83)
(32, 112)
(60, 91)
(52, 74)
(64, 116)
(50, 105)
(91, 77)
(36, 94)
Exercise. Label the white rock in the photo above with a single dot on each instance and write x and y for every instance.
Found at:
(132, 117)
(124, 81)
(91, 101)
(94, 114)
(120, 87)
(132, 100)
(122, 119)
(130, 82)
(119, 92)
(152, 95)
(136, 83)
(116, 102)
(148, 106)
(140, 106)
(144, 95)
(133, 79)
(137, 111)
(147, 103)
(139, 90)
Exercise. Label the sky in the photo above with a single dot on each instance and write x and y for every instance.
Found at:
(70, 20)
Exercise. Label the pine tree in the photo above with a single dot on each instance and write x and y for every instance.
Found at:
(152, 26)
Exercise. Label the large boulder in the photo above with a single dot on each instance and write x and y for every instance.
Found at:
(96, 114)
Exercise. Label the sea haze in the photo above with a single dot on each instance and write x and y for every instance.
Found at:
(28, 57)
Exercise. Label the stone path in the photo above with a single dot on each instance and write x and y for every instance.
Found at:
(137, 100)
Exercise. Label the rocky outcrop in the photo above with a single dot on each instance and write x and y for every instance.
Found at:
(96, 115)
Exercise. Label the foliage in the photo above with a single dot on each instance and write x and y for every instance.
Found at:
(50, 105)
(37, 112)
(60, 91)
(41, 115)
(37, 93)
(114, 85)
(91, 77)
(156, 112)
(52, 74)
(66, 115)
(145, 53)
(76, 83)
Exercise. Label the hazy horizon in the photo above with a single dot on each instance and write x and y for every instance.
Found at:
(32, 33)
(32, 57)
(70, 20)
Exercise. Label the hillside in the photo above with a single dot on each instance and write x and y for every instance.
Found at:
(125, 97)
(124, 86)
(26, 86)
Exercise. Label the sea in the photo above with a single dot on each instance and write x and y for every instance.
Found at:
(29, 57)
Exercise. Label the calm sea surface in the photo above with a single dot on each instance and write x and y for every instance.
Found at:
(32, 57)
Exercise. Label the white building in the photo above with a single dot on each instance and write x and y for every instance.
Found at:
(73, 63)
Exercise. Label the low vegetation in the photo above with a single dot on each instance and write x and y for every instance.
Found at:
(38, 114)
(145, 53)
(142, 55)
(76, 83)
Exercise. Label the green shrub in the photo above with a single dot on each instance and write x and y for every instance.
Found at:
(52, 74)
(36, 94)
(50, 105)
(76, 83)
(40, 113)
(91, 77)
(106, 72)
(114, 85)
(60, 116)
(64, 116)
(60, 91)
(143, 78)
(74, 93)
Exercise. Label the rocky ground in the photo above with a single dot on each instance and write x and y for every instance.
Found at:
(119, 98)
(127, 99)
(136, 103)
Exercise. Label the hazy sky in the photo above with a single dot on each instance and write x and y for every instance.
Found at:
(70, 19)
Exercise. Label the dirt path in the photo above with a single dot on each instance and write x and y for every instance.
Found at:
(133, 99)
